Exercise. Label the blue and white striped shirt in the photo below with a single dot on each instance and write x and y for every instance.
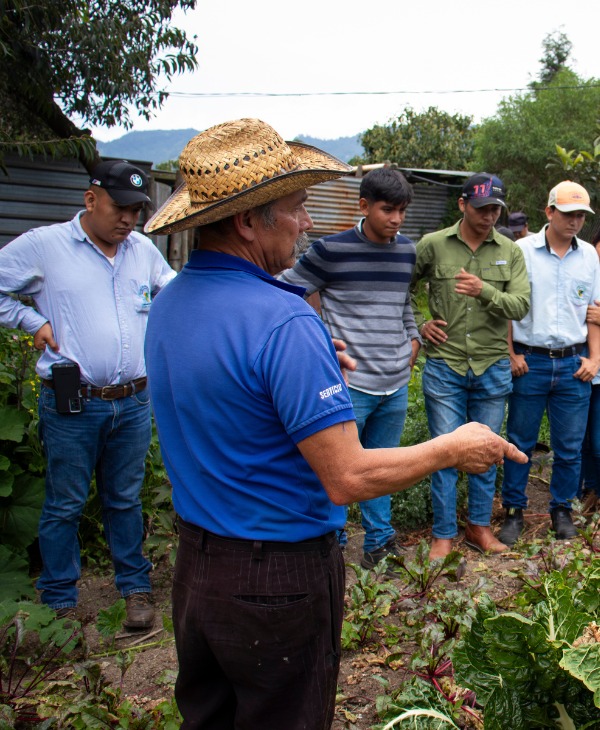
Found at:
(365, 301)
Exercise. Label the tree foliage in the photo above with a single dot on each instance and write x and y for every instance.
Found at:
(431, 139)
(519, 140)
(557, 49)
(89, 60)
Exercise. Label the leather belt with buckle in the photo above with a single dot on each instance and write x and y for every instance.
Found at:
(108, 392)
(554, 352)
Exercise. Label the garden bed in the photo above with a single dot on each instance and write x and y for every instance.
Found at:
(150, 676)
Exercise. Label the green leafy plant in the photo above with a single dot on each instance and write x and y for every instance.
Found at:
(21, 459)
(419, 705)
(421, 573)
(35, 646)
(159, 514)
(87, 700)
(540, 670)
(32, 643)
(370, 599)
(590, 532)
(110, 620)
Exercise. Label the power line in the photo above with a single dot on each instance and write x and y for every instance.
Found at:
(214, 94)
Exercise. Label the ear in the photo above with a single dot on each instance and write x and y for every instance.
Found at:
(89, 198)
(549, 213)
(462, 205)
(245, 225)
(363, 206)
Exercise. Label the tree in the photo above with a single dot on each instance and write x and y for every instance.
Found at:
(87, 59)
(430, 139)
(557, 49)
(517, 142)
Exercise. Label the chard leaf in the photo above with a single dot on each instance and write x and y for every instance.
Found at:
(472, 666)
(562, 621)
(504, 703)
(517, 647)
(583, 662)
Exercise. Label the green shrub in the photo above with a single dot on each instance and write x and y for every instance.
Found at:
(21, 459)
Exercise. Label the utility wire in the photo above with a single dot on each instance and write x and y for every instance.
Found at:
(375, 93)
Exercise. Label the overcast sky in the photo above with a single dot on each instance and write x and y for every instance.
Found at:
(411, 48)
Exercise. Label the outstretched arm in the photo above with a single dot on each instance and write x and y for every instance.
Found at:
(351, 473)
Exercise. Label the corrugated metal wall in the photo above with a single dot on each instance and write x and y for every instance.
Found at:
(40, 192)
(333, 206)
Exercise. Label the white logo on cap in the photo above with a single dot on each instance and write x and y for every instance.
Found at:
(136, 180)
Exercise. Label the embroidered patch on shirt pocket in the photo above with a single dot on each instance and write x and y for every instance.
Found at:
(142, 297)
(579, 292)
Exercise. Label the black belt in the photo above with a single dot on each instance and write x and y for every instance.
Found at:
(206, 538)
(108, 392)
(553, 352)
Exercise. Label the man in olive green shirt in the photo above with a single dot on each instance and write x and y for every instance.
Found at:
(477, 283)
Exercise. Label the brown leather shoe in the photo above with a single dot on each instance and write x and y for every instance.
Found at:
(140, 611)
(440, 547)
(482, 539)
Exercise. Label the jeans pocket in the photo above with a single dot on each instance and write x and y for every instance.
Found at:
(142, 398)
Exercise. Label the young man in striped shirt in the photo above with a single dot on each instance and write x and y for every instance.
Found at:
(362, 276)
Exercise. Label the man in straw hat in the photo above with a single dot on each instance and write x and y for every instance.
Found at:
(259, 440)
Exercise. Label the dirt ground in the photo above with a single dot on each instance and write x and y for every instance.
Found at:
(152, 673)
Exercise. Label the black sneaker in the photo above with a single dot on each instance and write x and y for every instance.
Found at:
(391, 547)
(562, 523)
(512, 527)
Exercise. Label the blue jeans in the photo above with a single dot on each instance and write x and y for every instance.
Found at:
(379, 420)
(112, 438)
(451, 400)
(550, 385)
(590, 452)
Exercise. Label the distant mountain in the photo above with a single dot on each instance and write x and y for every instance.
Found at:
(162, 145)
(344, 148)
(154, 146)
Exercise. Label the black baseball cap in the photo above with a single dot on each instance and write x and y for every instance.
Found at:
(125, 183)
(484, 189)
(517, 221)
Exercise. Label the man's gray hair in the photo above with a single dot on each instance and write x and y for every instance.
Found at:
(266, 214)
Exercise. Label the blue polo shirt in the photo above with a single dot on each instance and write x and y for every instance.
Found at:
(241, 369)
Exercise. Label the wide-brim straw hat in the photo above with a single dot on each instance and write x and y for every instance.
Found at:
(236, 166)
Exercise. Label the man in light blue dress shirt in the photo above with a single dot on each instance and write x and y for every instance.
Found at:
(92, 280)
(555, 354)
